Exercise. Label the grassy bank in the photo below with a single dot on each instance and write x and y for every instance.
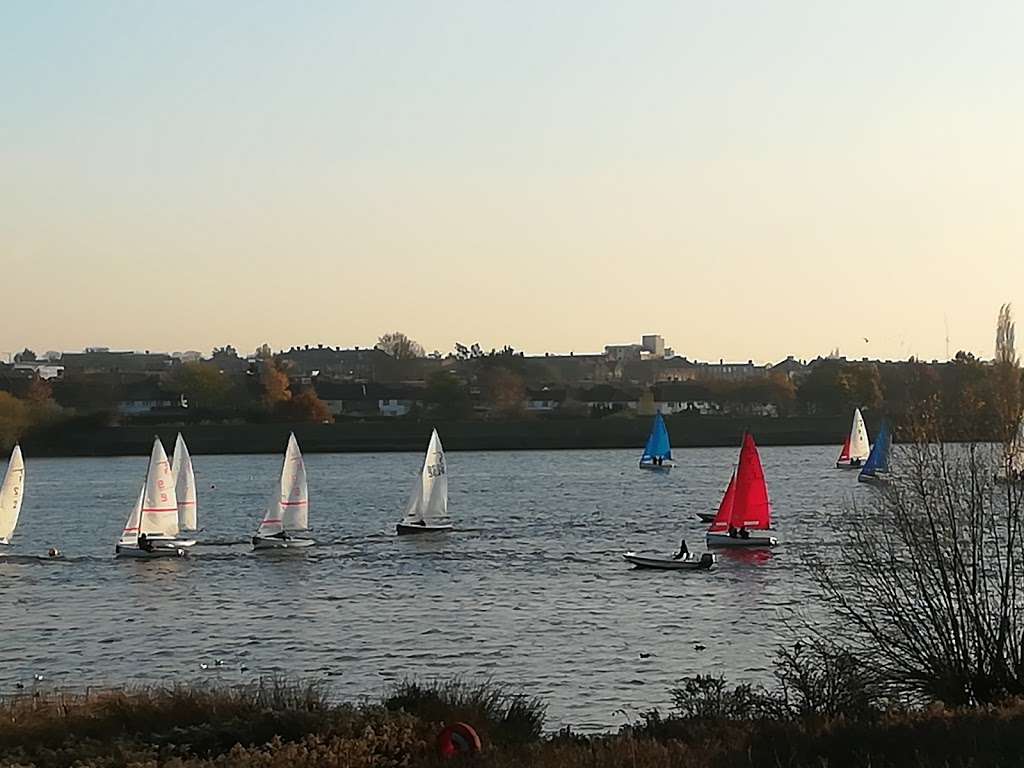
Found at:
(280, 725)
(384, 435)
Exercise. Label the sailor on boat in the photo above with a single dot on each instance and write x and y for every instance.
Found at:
(683, 552)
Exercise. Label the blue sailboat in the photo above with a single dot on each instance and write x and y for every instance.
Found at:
(657, 453)
(876, 468)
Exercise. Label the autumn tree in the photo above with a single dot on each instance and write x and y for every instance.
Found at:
(40, 392)
(506, 391)
(274, 384)
(400, 346)
(306, 406)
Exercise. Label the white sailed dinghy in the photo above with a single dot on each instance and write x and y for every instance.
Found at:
(184, 479)
(856, 447)
(427, 508)
(152, 528)
(11, 495)
(288, 509)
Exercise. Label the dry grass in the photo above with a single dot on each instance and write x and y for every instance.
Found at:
(277, 725)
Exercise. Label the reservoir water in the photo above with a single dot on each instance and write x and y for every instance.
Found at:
(530, 590)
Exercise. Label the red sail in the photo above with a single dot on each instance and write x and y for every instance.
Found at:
(751, 508)
(724, 517)
(844, 455)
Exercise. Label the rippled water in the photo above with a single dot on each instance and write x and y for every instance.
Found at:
(531, 590)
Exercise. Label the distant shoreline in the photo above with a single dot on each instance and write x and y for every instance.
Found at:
(394, 435)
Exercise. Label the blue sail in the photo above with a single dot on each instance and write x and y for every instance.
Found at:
(657, 443)
(878, 459)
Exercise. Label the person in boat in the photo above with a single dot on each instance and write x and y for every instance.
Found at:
(144, 543)
(54, 552)
(684, 551)
(732, 532)
(744, 533)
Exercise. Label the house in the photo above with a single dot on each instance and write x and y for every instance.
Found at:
(353, 398)
(145, 397)
(604, 398)
(685, 397)
(791, 368)
(102, 360)
(544, 400)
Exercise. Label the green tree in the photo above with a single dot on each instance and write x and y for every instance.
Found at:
(14, 420)
(204, 386)
(264, 352)
(447, 396)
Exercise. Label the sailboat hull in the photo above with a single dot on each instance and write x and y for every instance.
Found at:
(657, 467)
(856, 464)
(690, 563)
(706, 517)
(878, 480)
(754, 540)
(271, 543)
(405, 529)
(130, 551)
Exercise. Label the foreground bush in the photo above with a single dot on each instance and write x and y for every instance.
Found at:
(500, 715)
(276, 725)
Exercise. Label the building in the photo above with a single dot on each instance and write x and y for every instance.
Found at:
(102, 360)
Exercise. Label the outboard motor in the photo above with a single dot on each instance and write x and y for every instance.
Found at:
(707, 560)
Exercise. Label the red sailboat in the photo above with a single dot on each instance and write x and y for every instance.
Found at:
(745, 507)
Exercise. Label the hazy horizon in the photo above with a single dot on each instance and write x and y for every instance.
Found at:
(750, 181)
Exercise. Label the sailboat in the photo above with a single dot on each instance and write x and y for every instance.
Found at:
(855, 447)
(184, 479)
(876, 468)
(152, 528)
(288, 509)
(1013, 461)
(11, 494)
(427, 508)
(745, 506)
(657, 452)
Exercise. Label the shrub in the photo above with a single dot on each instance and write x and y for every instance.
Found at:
(499, 714)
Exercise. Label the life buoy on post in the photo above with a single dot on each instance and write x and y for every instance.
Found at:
(458, 739)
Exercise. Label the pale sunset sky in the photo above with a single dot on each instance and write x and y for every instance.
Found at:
(749, 179)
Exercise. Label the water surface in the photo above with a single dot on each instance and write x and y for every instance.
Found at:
(531, 590)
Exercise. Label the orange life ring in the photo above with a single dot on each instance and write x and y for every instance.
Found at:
(458, 739)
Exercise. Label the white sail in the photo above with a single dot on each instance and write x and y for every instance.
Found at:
(428, 504)
(859, 445)
(288, 507)
(159, 514)
(130, 534)
(11, 495)
(184, 486)
(294, 490)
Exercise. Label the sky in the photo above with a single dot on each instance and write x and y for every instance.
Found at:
(749, 179)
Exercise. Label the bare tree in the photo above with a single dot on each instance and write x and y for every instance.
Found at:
(927, 581)
(400, 346)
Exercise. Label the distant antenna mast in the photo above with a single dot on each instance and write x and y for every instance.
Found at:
(945, 320)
